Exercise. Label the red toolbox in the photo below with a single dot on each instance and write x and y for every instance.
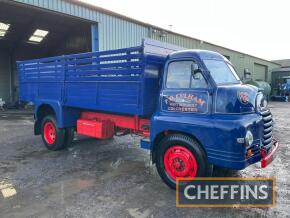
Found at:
(101, 129)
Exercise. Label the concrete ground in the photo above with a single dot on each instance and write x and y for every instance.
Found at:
(110, 178)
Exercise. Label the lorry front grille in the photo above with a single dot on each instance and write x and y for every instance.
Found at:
(268, 129)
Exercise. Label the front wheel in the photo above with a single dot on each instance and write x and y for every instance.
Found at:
(181, 156)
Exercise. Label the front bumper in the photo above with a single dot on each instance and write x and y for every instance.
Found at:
(264, 156)
(268, 158)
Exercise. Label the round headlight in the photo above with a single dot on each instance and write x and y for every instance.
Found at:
(249, 138)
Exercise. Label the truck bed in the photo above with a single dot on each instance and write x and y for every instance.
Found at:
(120, 81)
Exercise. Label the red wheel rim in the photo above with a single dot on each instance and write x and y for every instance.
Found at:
(49, 132)
(180, 162)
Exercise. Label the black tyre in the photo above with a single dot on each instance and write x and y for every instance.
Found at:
(53, 137)
(68, 136)
(181, 156)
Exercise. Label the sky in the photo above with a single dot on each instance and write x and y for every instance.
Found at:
(257, 27)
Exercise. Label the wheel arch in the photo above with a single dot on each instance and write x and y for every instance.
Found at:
(41, 111)
(44, 110)
(161, 135)
(66, 117)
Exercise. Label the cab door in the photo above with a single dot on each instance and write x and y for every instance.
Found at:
(184, 91)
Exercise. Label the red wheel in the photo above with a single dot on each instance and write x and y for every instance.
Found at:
(180, 156)
(49, 132)
(53, 137)
(180, 162)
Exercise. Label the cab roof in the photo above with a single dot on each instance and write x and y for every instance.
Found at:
(196, 53)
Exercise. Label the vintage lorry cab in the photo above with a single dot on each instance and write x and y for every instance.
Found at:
(189, 106)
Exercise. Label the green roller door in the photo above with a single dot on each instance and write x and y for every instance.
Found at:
(260, 72)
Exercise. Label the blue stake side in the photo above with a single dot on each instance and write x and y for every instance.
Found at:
(189, 105)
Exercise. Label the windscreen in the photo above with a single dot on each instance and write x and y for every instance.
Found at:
(222, 72)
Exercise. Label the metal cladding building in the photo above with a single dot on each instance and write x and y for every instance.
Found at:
(41, 28)
(281, 72)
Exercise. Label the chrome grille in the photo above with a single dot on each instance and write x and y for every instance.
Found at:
(268, 129)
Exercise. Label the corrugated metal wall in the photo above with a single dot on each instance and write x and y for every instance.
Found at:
(240, 60)
(260, 72)
(115, 32)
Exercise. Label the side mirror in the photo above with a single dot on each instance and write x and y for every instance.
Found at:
(195, 71)
(247, 74)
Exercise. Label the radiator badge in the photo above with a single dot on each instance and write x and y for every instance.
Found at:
(243, 97)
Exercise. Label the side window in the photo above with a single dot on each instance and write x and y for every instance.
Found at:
(198, 82)
(179, 76)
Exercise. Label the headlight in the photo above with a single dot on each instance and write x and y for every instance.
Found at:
(249, 138)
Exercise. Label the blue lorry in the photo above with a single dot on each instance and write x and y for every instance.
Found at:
(189, 106)
(283, 89)
(284, 86)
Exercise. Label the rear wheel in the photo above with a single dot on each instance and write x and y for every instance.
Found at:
(69, 136)
(53, 137)
(181, 156)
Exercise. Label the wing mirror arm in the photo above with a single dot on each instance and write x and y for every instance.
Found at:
(195, 71)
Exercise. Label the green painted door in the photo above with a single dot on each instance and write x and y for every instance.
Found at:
(260, 72)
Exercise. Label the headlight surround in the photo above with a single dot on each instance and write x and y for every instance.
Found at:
(249, 139)
(264, 103)
(261, 102)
